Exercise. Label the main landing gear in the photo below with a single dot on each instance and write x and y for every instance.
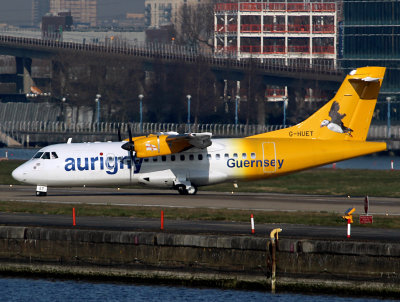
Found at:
(186, 188)
(183, 190)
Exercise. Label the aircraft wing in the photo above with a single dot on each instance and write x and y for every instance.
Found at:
(163, 144)
(197, 140)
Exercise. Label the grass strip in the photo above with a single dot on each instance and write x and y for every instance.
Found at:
(306, 218)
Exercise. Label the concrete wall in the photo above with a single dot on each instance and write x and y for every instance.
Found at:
(229, 261)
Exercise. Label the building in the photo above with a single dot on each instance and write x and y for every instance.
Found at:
(54, 25)
(285, 32)
(163, 12)
(370, 36)
(84, 12)
(39, 9)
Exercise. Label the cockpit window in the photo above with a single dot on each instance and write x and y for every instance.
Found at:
(54, 155)
(38, 155)
(46, 155)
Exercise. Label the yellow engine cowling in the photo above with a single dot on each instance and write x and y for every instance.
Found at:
(156, 145)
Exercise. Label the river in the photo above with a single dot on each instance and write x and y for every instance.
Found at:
(23, 289)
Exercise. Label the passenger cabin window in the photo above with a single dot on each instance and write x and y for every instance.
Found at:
(182, 157)
(200, 157)
(155, 158)
(146, 160)
(163, 158)
(226, 155)
(209, 156)
(217, 156)
(235, 155)
(191, 156)
(244, 155)
(253, 155)
(38, 155)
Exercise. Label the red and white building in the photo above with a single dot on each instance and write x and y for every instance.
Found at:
(304, 32)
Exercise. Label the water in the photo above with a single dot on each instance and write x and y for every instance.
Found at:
(23, 154)
(21, 289)
(371, 162)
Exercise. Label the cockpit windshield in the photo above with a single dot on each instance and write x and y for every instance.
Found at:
(38, 155)
(46, 155)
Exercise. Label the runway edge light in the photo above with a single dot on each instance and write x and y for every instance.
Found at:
(349, 217)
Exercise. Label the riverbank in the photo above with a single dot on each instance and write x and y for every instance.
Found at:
(348, 267)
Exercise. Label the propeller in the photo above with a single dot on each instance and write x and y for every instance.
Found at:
(119, 133)
(129, 146)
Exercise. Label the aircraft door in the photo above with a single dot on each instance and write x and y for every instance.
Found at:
(269, 157)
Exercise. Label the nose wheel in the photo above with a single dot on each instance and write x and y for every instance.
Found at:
(41, 190)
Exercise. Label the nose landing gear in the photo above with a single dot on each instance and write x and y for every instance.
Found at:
(41, 190)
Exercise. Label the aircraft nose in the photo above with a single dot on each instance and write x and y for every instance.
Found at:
(18, 174)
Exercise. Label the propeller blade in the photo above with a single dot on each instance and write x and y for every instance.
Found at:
(131, 149)
(130, 145)
(119, 133)
(130, 134)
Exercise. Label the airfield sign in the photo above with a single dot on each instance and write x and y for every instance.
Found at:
(364, 219)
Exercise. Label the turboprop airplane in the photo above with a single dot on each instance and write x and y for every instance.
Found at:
(336, 132)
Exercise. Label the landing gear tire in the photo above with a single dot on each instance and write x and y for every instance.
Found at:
(182, 190)
(41, 193)
(192, 190)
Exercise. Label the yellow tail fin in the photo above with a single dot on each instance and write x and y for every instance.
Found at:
(347, 116)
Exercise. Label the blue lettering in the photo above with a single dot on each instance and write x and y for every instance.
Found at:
(230, 163)
(78, 163)
(138, 164)
(69, 164)
(92, 161)
(101, 163)
(110, 166)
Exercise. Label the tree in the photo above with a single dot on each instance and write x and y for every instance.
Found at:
(195, 24)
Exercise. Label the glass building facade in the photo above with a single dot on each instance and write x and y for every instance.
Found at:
(369, 35)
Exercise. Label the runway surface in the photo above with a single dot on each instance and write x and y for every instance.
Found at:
(170, 199)
(204, 199)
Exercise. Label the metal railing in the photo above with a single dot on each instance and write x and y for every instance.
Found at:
(219, 130)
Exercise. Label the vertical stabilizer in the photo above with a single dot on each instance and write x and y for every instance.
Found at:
(347, 116)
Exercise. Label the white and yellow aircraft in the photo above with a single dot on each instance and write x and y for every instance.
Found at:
(185, 162)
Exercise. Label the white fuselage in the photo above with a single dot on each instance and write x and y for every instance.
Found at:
(108, 164)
